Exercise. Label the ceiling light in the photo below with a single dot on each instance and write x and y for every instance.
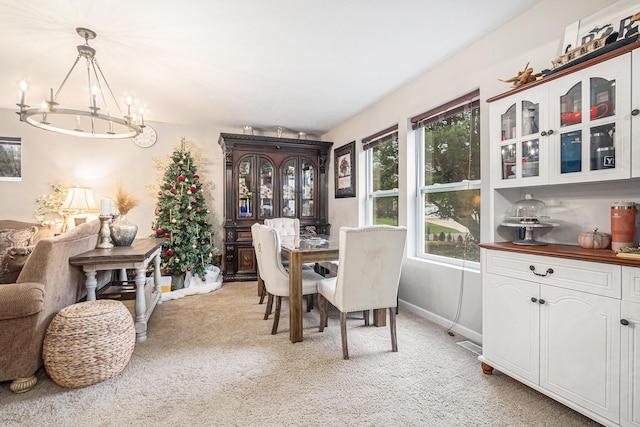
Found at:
(89, 122)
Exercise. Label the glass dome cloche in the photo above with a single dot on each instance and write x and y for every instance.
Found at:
(529, 210)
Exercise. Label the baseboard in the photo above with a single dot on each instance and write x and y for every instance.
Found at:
(445, 323)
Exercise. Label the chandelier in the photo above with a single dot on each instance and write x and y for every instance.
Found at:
(90, 122)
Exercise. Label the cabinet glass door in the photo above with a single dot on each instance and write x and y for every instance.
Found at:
(308, 192)
(508, 124)
(602, 142)
(592, 143)
(245, 188)
(289, 188)
(266, 188)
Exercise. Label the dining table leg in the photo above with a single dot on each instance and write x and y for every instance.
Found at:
(295, 296)
(380, 317)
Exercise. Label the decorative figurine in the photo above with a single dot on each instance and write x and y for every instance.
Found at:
(525, 76)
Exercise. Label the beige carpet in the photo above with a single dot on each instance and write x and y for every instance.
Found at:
(210, 360)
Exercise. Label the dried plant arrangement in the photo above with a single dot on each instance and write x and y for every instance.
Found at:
(124, 200)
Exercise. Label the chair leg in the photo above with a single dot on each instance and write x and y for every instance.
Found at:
(343, 334)
(262, 290)
(392, 326)
(309, 302)
(365, 314)
(276, 316)
(322, 306)
(269, 307)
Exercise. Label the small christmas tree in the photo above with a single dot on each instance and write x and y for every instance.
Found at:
(182, 218)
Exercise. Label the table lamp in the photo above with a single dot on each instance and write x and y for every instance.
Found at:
(79, 199)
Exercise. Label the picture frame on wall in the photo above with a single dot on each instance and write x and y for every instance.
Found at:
(345, 170)
(10, 159)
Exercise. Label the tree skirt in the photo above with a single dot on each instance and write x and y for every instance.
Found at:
(193, 285)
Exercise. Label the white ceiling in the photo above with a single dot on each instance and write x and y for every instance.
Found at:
(304, 65)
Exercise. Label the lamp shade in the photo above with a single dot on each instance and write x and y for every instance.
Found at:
(79, 199)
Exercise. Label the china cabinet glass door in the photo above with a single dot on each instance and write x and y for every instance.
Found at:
(308, 189)
(245, 188)
(289, 188)
(266, 188)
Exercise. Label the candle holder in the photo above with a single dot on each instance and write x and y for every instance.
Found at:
(104, 241)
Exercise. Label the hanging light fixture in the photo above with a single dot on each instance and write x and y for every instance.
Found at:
(90, 122)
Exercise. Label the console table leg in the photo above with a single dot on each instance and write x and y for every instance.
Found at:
(141, 306)
(156, 277)
(91, 283)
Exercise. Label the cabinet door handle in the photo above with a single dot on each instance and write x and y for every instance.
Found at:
(533, 268)
(541, 301)
(543, 133)
(624, 322)
(635, 112)
(550, 132)
(534, 299)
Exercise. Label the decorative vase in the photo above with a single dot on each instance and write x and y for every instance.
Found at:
(123, 231)
(177, 282)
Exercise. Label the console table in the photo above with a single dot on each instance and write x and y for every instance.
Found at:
(136, 257)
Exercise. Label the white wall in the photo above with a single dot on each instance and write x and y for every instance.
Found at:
(535, 37)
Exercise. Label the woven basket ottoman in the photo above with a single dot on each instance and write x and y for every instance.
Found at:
(88, 342)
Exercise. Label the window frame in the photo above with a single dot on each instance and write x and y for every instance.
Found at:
(369, 144)
(418, 124)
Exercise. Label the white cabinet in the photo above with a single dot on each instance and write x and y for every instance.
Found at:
(634, 117)
(630, 348)
(575, 128)
(556, 332)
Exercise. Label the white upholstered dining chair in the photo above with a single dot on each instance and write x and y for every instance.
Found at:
(284, 227)
(368, 277)
(276, 278)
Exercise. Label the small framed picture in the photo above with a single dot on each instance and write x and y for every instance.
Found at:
(10, 159)
(345, 170)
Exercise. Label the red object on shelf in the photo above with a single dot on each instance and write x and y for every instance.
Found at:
(597, 112)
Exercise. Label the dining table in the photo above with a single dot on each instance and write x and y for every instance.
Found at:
(303, 250)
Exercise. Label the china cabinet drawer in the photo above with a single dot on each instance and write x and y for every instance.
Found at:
(596, 278)
(631, 284)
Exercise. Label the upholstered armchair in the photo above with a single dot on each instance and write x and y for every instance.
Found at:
(46, 284)
(276, 278)
(368, 277)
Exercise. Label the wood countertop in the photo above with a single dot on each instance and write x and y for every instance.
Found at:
(565, 251)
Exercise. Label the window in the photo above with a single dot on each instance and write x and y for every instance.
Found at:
(382, 176)
(449, 180)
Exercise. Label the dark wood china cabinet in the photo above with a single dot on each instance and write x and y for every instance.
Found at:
(269, 177)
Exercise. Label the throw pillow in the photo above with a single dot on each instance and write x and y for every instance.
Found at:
(20, 238)
(12, 261)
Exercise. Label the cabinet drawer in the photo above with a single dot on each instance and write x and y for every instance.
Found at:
(631, 284)
(593, 277)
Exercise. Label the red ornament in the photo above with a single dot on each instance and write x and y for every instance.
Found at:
(193, 189)
(169, 252)
(195, 201)
(166, 272)
(204, 279)
(202, 242)
(188, 268)
(167, 235)
(159, 193)
(173, 190)
(159, 231)
(198, 209)
(196, 176)
(180, 178)
(179, 202)
(186, 216)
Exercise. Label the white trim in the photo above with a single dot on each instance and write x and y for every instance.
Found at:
(439, 320)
